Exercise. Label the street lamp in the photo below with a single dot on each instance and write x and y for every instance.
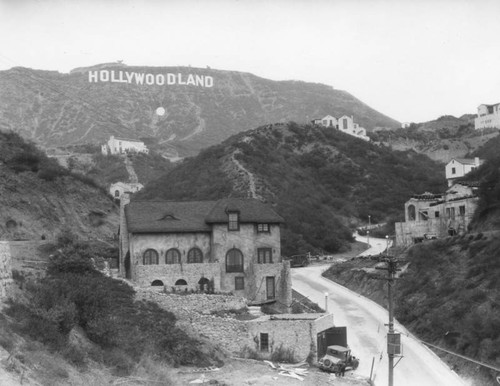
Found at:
(326, 301)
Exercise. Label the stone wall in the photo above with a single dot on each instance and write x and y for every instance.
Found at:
(5, 270)
(194, 313)
(296, 332)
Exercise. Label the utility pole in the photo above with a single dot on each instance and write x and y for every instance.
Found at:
(368, 231)
(393, 339)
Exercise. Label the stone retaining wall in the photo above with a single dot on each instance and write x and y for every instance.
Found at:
(194, 313)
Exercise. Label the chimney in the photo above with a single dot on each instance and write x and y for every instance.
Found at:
(476, 161)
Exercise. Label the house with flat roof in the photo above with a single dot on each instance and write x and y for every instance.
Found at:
(117, 145)
(488, 116)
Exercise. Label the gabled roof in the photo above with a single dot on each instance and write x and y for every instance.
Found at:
(167, 216)
(464, 161)
(194, 216)
(250, 210)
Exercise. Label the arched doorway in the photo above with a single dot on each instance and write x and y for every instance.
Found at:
(204, 284)
(157, 283)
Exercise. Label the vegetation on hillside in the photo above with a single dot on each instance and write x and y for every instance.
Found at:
(323, 182)
(74, 296)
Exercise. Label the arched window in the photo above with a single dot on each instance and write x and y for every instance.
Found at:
(204, 284)
(157, 283)
(150, 257)
(195, 256)
(181, 282)
(173, 256)
(411, 212)
(234, 260)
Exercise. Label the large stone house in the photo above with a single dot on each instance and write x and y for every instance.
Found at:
(488, 116)
(437, 215)
(229, 245)
(117, 145)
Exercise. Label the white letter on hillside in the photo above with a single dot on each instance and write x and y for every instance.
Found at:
(190, 79)
(139, 78)
(170, 78)
(160, 79)
(179, 77)
(104, 75)
(150, 79)
(130, 76)
(209, 81)
(93, 76)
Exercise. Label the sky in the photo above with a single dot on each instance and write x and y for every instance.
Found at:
(412, 60)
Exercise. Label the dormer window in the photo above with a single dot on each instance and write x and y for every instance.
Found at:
(233, 221)
(263, 228)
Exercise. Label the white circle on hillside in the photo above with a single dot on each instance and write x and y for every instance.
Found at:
(160, 111)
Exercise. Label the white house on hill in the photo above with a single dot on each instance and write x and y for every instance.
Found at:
(345, 124)
(123, 146)
(488, 116)
(459, 167)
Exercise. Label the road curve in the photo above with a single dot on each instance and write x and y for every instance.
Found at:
(366, 332)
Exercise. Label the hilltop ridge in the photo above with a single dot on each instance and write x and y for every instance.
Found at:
(57, 109)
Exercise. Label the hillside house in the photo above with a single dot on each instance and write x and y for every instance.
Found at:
(488, 116)
(229, 245)
(119, 188)
(345, 124)
(438, 215)
(459, 167)
(117, 145)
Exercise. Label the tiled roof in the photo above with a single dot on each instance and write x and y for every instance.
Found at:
(167, 216)
(250, 210)
(193, 216)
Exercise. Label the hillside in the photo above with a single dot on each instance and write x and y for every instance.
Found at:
(39, 199)
(441, 139)
(323, 182)
(57, 109)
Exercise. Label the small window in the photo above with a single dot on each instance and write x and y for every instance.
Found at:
(239, 283)
(173, 256)
(436, 214)
(461, 208)
(117, 193)
(264, 255)
(264, 342)
(261, 228)
(234, 260)
(453, 170)
(234, 221)
(150, 257)
(195, 256)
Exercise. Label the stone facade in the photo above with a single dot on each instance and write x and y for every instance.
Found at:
(256, 280)
(200, 316)
(5, 270)
(296, 332)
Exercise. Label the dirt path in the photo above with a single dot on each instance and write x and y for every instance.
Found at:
(241, 372)
(132, 176)
(249, 175)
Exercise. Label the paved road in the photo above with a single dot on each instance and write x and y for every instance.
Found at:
(366, 331)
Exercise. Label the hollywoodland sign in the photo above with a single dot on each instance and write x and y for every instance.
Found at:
(119, 76)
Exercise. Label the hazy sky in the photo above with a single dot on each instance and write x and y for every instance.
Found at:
(411, 60)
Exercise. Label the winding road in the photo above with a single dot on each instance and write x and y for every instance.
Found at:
(366, 330)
